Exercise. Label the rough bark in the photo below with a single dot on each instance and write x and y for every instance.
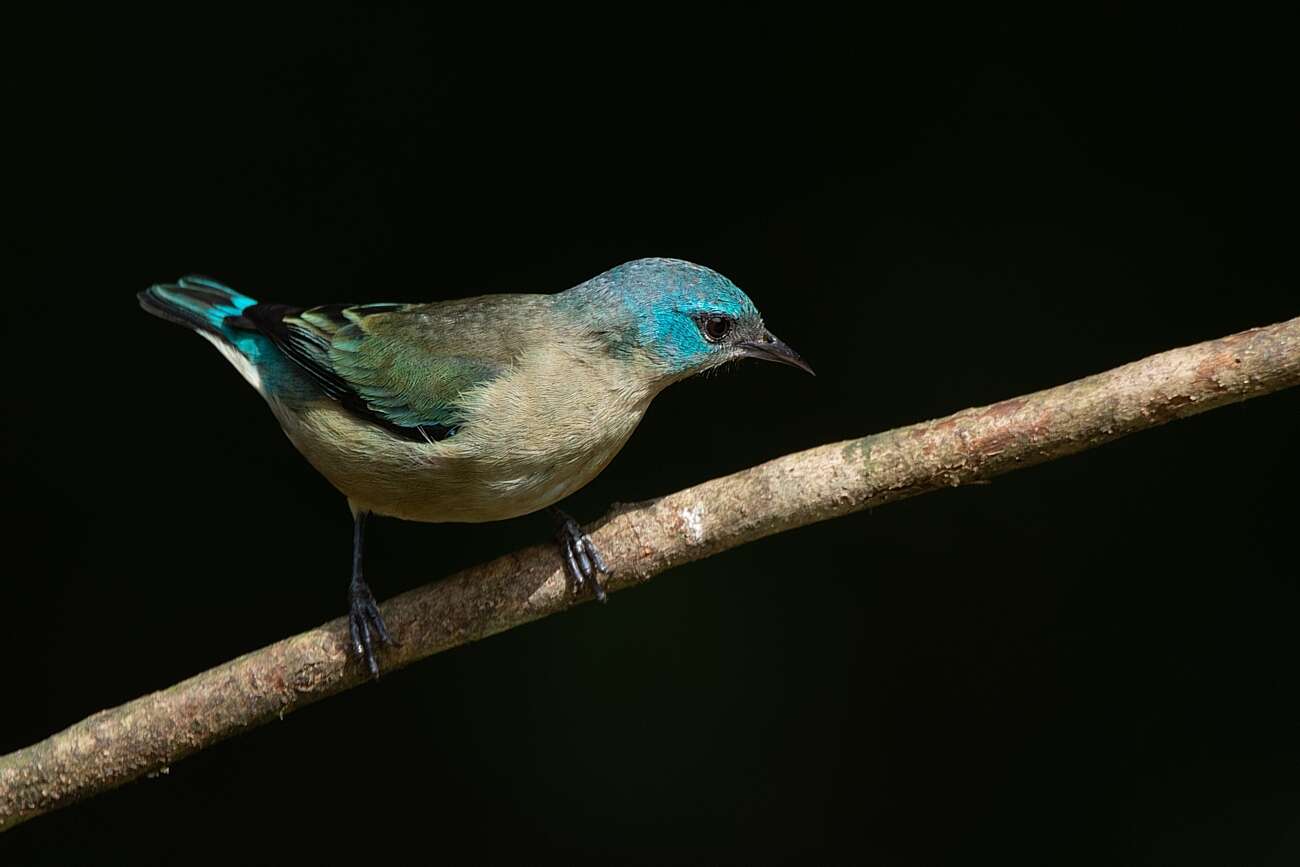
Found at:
(640, 541)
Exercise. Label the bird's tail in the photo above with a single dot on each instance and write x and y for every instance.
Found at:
(198, 303)
(217, 313)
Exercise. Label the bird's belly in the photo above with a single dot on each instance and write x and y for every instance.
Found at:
(507, 490)
(462, 479)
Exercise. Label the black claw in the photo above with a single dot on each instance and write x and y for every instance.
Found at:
(582, 559)
(571, 562)
(598, 590)
(355, 630)
(382, 629)
(366, 624)
(596, 556)
(371, 662)
(584, 562)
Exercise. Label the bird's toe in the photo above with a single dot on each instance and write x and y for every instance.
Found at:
(366, 626)
(583, 561)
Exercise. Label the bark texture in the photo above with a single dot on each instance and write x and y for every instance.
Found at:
(640, 541)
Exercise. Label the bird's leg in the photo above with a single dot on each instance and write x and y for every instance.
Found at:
(364, 620)
(582, 559)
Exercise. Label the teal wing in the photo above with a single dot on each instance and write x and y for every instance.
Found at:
(403, 367)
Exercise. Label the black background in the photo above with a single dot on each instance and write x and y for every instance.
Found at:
(1089, 661)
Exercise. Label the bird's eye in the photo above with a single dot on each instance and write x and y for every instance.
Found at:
(715, 328)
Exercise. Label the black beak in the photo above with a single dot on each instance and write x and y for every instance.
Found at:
(769, 348)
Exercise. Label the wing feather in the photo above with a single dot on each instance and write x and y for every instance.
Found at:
(404, 367)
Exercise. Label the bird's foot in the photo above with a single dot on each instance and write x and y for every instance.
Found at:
(582, 559)
(366, 625)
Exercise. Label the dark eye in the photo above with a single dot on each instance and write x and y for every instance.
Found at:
(715, 328)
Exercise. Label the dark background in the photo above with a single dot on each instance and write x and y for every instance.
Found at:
(1089, 661)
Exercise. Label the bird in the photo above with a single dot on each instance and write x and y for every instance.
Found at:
(476, 409)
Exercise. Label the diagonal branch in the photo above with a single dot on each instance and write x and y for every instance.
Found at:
(640, 541)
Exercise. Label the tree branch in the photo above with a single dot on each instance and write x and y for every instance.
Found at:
(640, 541)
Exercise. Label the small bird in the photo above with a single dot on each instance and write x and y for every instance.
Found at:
(478, 409)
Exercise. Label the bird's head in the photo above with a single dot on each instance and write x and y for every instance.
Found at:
(679, 318)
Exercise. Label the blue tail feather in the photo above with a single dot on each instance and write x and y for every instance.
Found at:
(223, 315)
(198, 302)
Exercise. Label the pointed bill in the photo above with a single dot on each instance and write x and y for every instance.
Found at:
(769, 348)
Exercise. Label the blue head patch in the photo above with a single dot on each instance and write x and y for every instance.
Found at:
(673, 307)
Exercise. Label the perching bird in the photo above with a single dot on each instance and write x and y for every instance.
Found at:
(478, 409)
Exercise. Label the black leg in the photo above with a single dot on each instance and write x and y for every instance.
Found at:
(364, 620)
(582, 559)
